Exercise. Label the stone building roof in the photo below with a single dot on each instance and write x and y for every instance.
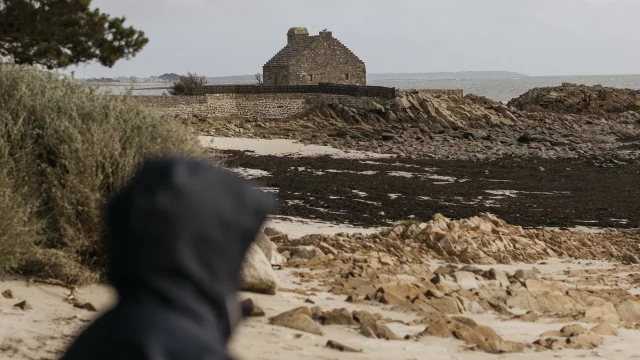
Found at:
(290, 52)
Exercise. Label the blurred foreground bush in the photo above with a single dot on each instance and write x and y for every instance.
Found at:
(64, 151)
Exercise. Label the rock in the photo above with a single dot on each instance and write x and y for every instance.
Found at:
(445, 305)
(499, 276)
(373, 322)
(271, 232)
(86, 306)
(250, 309)
(466, 280)
(604, 329)
(629, 311)
(382, 331)
(327, 249)
(444, 270)
(605, 313)
(530, 316)
(630, 258)
(551, 333)
(297, 319)
(305, 252)
(439, 328)
(341, 347)
(539, 287)
(469, 336)
(270, 250)
(338, 317)
(256, 274)
(24, 305)
(396, 294)
(585, 341)
(472, 269)
(7, 294)
(528, 138)
(503, 347)
(367, 332)
(572, 330)
(551, 343)
(525, 275)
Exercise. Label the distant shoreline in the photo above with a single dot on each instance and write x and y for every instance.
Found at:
(99, 83)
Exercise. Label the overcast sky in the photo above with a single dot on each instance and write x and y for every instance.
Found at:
(535, 37)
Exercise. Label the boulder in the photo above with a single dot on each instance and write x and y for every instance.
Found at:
(629, 311)
(250, 309)
(585, 341)
(337, 317)
(256, 274)
(604, 329)
(498, 275)
(605, 313)
(270, 250)
(466, 280)
(305, 252)
(572, 330)
(525, 275)
(297, 319)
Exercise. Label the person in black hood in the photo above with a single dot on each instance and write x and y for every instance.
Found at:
(179, 232)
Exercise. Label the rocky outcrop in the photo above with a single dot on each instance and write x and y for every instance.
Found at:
(447, 126)
(578, 99)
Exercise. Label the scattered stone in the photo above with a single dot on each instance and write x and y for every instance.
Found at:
(530, 316)
(23, 305)
(630, 258)
(367, 332)
(338, 317)
(498, 275)
(305, 252)
(525, 275)
(251, 309)
(86, 306)
(341, 347)
(551, 333)
(572, 330)
(257, 275)
(472, 269)
(7, 294)
(605, 313)
(551, 343)
(270, 250)
(466, 280)
(585, 341)
(604, 329)
(629, 311)
(297, 319)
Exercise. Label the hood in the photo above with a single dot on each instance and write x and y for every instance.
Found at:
(179, 232)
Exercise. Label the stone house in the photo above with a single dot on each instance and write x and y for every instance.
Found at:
(309, 60)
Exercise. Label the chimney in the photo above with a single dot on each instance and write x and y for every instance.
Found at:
(326, 33)
(296, 33)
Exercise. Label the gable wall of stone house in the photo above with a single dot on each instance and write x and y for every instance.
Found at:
(327, 61)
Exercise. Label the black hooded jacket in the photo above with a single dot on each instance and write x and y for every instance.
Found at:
(178, 235)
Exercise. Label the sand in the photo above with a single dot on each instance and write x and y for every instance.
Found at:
(283, 147)
(43, 333)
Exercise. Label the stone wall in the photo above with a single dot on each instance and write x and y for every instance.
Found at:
(252, 106)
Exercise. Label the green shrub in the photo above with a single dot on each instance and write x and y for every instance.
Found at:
(65, 150)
